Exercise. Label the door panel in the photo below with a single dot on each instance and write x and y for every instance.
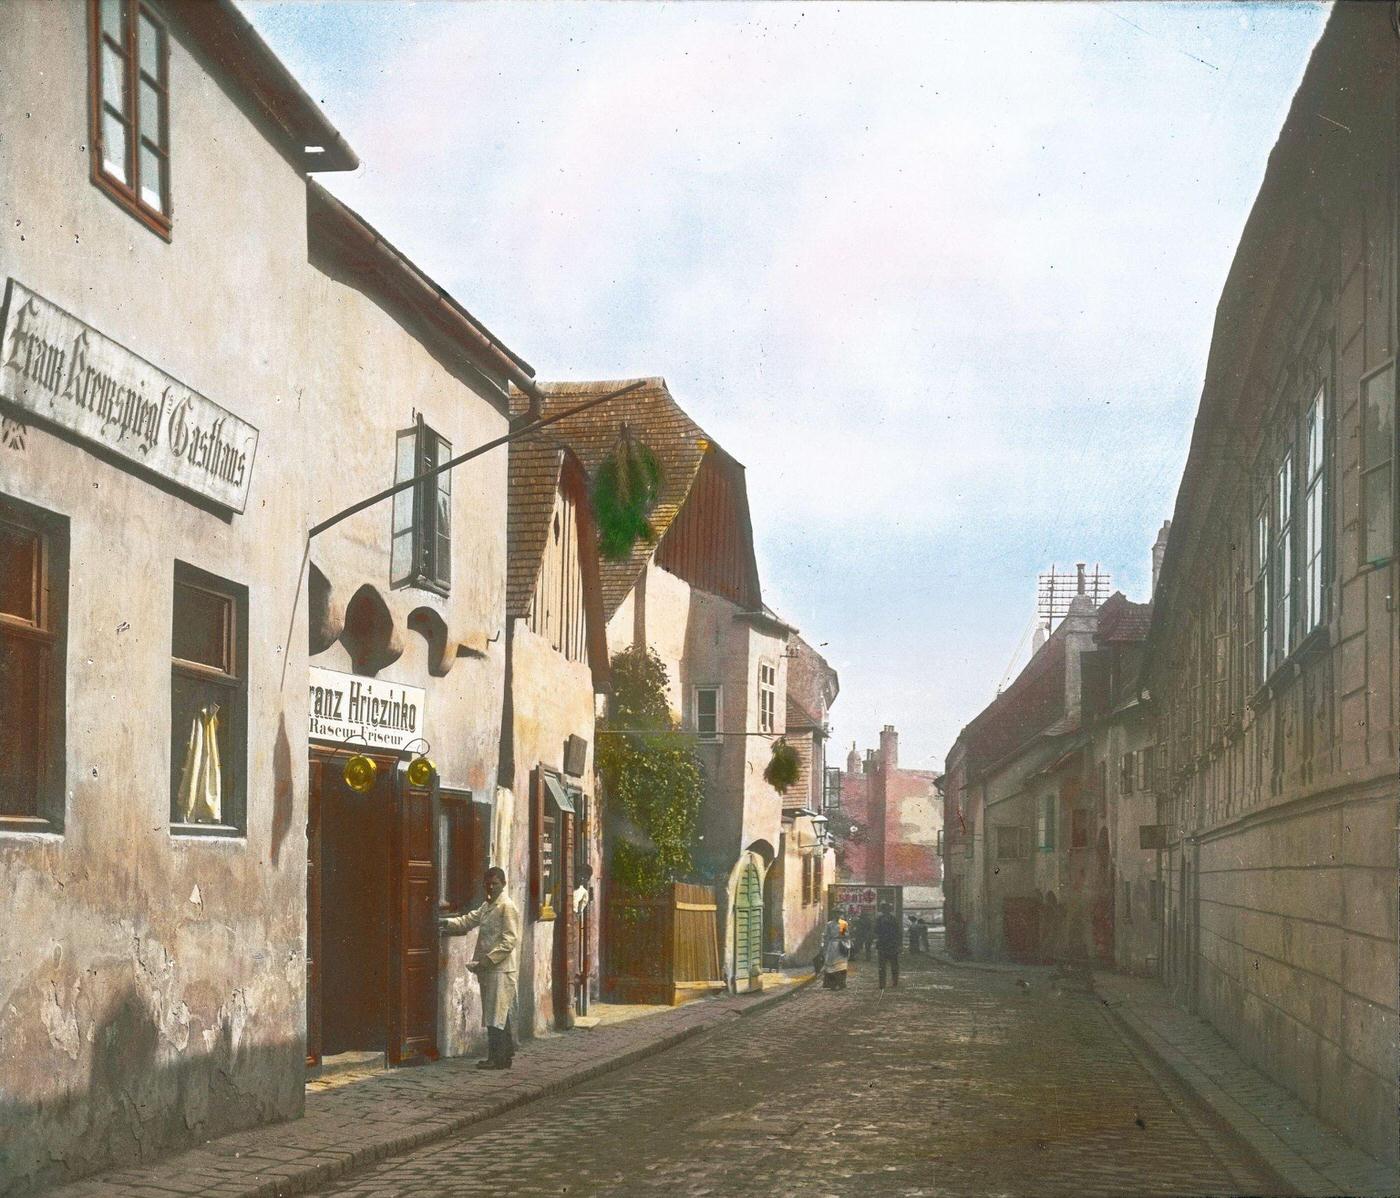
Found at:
(313, 915)
(565, 931)
(413, 936)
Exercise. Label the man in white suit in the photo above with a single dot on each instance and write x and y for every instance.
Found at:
(495, 964)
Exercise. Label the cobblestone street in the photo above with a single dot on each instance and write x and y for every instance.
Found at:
(959, 1082)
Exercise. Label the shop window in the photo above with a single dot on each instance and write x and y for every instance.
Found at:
(552, 812)
(421, 546)
(33, 612)
(463, 835)
(1378, 466)
(208, 703)
(707, 712)
(767, 697)
(129, 108)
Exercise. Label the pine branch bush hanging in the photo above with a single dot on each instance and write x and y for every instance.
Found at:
(625, 490)
(782, 767)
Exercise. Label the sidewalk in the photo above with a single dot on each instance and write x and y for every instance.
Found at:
(352, 1124)
(1305, 1153)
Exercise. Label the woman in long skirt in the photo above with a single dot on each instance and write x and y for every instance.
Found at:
(836, 951)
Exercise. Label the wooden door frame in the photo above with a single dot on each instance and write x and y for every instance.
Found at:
(320, 758)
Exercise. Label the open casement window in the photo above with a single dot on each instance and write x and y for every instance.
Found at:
(208, 704)
(33, 609)
(552, 812)
(1263, 639)
(421, 546)
(1378, 466)
(129, 108)
(707, 712)
(464, 829)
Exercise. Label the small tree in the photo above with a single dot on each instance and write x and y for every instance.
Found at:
(652, 778)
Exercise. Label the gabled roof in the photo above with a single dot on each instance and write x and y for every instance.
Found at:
(1032, 706)
(1121, 620)
(798, 717)
(539, 468)
(658, 422)
(535, 467)
(226, 37)
(337, 231)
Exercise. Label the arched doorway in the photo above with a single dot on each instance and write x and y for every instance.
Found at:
(747, 924)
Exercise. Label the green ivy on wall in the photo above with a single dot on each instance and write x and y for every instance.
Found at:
(651, 776)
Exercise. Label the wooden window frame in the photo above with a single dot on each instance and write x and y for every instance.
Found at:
(1012, 842)
(1368, 468)
(429, 566)
(233, 680)
(1316, 542)
(767, 697)
(48, 628)
(127, 195)
(463, 827)
(700, 734)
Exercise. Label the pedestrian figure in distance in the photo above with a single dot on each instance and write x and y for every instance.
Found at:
(836, 949)
(887, 943)
(913, 933)
(494, 963)
(923, 933)
(864, 934)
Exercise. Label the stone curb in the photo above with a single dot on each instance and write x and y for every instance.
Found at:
(302, 1176)
(1273, 1152)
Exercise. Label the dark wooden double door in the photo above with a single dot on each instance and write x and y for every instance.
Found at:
(371, 917)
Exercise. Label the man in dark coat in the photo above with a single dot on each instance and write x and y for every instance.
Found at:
(887, 940)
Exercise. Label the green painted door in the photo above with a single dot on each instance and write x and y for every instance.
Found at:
(748, 929)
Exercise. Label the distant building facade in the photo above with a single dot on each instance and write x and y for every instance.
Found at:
(899, 814)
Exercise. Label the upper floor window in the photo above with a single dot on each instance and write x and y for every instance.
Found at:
(1378, 466)
(1314, 518)
(1283, 556)
(1045, 823)
(208, 703)
(421, 553)
(707, 708)
(128, 66)
(767, 697)
(33, 608)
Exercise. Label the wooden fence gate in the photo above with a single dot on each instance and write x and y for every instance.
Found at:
(662, 948)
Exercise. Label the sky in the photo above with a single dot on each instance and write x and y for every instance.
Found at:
(941, 275)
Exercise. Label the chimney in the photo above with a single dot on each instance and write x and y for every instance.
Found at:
(869, 761)
(1041, 635)
(889, 747)
(1159, 551)
(1079, 569)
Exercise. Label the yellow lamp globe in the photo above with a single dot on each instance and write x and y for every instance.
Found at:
(420, 772)
(360, 773)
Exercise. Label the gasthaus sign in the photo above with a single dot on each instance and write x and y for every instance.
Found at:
(61, 370)
(365, 711)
